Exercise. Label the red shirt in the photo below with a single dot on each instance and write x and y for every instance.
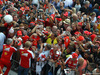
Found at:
(8, 52)
(53, 55)
(71, 64)
(66, 41)
(26, 56)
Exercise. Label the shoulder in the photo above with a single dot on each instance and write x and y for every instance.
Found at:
(13, 48)
(30, 51)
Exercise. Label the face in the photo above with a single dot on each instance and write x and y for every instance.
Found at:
(15, 18)
(55, 48)
(73, 59)
(79, 27)
(66, 25)
(85, 55)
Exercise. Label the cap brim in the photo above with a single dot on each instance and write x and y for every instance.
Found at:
(65, 22)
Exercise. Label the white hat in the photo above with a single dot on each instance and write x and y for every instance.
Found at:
(8, 18)
(11, 30)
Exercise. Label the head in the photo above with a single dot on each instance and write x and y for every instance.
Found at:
(54, 28)
(48, 47)
(9, 41)
(75, 17)
(15, 18)
(80, 61)
(74, 56)
(28, 44)
(86, 54)
(21, 27)
(91, 66)
(55, 47)
(70, 49)
(35, 6)
(68, 29)
(95, 48)
(66, 23)
(87, 3)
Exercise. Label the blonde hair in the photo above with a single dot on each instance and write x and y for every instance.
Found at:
(28, 44)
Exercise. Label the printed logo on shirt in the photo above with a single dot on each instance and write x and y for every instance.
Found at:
(7, 49)
(69, 62)
(22, 52)
(5, 53)
(25, 54)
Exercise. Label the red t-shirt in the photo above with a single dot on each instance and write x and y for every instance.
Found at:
(26, 56)
(71, 64)
(66, 41)
(8, 52)
(53, 55)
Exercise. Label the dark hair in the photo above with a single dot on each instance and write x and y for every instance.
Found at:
(87, 52)
(35, 5)
(92, 65)
(48, 46)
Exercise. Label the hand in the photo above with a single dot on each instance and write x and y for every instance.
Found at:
(33, 48)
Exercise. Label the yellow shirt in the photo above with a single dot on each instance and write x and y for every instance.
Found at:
(98, 27)
(49, 41)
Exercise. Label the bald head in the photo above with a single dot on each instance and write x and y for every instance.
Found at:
(80, 61)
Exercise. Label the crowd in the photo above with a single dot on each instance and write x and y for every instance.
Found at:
(50, 37)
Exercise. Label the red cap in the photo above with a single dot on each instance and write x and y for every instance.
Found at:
(19, 33)
(80, 23)
(77, 33)
(1, 2)
(59, 19)
(66, 14)
(93, 36)
(98, 17)
(22, 8)
(87, 32)
(25, 38)
(27, 8)
(80, 38)
(74, 55)
(0, 15)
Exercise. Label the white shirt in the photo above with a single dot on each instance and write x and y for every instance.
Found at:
(68, 2)
(2, 38)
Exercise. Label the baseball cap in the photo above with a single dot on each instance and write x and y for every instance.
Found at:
(66, 14)
(67, 21)
(80, 23)
(74, 55)
(25, 38)
(80, 38)
(98, 17)
(93, 36)
(77, 33)
(58, 19)
(0, 15)
(22, 8)
(19, 33)
(87, 32)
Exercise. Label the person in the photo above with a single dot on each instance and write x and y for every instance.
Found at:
(25, 62)
(2, 39)
(7, 53)
(96, 71)
(71, 63)
(82, 63)
(85, 8)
